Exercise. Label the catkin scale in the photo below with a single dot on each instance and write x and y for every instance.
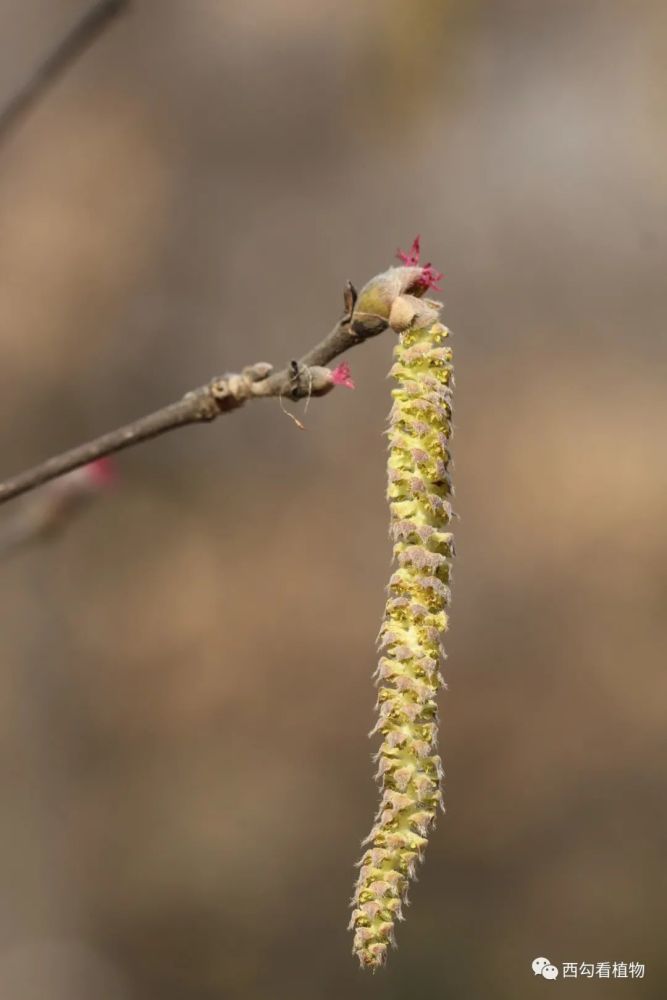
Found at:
(408, 673)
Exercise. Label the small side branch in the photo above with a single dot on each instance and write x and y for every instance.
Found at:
(48, 512)
(306, 377)
(78, 38)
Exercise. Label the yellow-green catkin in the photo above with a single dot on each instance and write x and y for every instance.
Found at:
(408, 673)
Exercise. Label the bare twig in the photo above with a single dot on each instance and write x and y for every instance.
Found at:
(221, 395)
(78, 38)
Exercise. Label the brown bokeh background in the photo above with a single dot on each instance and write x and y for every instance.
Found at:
(185, 674)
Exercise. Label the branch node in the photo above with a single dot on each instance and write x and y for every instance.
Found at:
(295, 371)
(258, 372)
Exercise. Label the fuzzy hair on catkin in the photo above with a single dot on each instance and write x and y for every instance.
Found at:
(408, 673)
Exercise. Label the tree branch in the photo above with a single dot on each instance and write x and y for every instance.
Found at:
(223, 394)
(77, 39)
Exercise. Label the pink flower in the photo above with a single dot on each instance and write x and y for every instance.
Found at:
(342, 375)
(429, 277)
(101, 472)
(411, 258)
(97, 475)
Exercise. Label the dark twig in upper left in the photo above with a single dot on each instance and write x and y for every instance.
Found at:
(68, 48)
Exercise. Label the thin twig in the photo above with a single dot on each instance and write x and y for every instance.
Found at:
(223, 394)
(77, 39)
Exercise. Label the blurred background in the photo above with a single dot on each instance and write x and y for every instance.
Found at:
(185, 673)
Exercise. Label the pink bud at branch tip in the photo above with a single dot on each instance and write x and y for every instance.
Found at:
(342, 375)
(429, 277)
(101, 473)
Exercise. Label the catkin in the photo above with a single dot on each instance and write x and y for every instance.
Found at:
(408, 673)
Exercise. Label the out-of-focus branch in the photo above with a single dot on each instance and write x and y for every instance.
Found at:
(77, 39)
(300, 379)
(49, 510)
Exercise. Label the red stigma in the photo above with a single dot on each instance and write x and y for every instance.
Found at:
(342, 375)
(429, 277)
(411, 258)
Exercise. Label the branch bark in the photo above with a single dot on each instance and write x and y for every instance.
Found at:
(77, 39)
(221, 395)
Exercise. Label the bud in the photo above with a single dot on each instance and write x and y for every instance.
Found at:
(93, 477)
(51, 508)
(317, 380)
(393, 297)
